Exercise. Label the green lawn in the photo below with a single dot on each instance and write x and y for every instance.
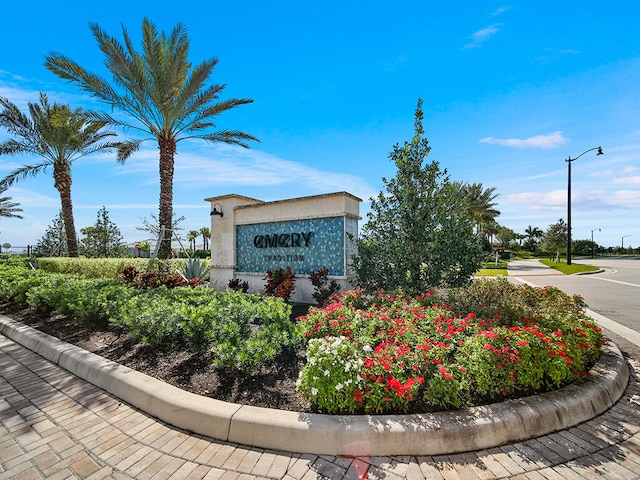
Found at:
(490, 269)
(569, 269)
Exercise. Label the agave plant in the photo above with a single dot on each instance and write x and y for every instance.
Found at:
(194, 268)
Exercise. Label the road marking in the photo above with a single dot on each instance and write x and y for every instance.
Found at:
(615, 281)
(625, 332)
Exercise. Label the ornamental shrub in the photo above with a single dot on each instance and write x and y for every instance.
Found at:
(16, 281)
(332, 377)
(323, 288)
(421, 354)
(241, 332)
(280, 283)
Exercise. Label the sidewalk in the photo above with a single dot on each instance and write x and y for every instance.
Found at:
(529, 268)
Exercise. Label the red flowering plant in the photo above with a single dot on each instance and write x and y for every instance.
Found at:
(423, 354)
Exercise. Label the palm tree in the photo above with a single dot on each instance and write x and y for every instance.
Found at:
(490, 228)
(532, 237)
(192, 236)
(480, 202)
(57, 135)
(161, 93)
(8, 209)
(206, 235)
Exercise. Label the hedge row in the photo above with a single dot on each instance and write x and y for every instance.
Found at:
(241, 331)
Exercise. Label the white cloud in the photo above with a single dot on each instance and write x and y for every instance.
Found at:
(592, 200)
(634, 180)
(626, 198)
(478, 38)
(540, 201)
(499, 11)
(551, 140)
(602, 174)
(232, 166)
(30, 198)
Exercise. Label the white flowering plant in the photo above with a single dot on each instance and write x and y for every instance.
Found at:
(332, 374)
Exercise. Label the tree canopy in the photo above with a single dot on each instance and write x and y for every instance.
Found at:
(419, 233)
(103, 238)
(53, 242)
(165, 98)
(57, 136)
(555, 238)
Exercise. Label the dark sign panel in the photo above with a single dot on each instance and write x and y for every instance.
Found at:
(303, 245)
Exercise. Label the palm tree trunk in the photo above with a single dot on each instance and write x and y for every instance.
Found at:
(167, 151)
(62, 182)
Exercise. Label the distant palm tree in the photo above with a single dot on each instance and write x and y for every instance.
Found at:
(489, 228)
(8, 209)
(480, 202)
(57, 135)
(192, 236)
(532, 237)
(162, 94)
(206, 235)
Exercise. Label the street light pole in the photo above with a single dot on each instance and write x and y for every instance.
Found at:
(622, 248)
(592, 240)
(569, 160)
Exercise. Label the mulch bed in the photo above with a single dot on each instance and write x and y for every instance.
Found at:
(272, 387)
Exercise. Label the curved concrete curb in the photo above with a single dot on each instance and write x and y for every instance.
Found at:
(361, 435)
(591, 272)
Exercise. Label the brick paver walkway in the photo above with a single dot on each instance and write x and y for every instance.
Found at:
(54, 425)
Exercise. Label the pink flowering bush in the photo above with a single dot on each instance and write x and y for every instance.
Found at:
(392, 354)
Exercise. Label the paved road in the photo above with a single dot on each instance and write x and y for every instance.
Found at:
(615, 293)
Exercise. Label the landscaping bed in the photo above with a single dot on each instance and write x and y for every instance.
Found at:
(363, 353)
(272, 387)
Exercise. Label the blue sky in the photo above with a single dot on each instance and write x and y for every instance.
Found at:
(510, 90)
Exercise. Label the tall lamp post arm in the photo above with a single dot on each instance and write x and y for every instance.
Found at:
(569, 160)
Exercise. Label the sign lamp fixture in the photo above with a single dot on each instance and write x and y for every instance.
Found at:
(217, 211)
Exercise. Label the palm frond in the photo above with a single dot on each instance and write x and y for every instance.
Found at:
(13, 120)
(223, 106)
(15, 147)
(126, 149)
(228, 136)
(23, 172)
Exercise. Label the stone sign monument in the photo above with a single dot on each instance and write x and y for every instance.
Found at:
(249, 237)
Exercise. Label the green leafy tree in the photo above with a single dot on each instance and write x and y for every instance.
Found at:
(489, 229)
(54, 241)
(57, 136)
(206, 235)
(8, 209)
(418, 234)
(555, 238)
(103, 238)
(505, 236)
(585, 247)
(163, 96)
